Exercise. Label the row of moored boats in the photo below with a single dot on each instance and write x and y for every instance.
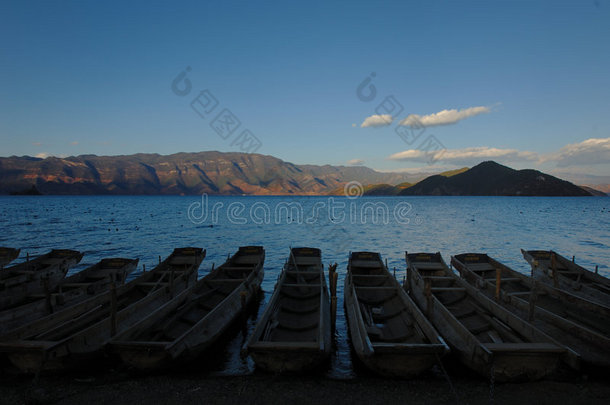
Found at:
(495, 320)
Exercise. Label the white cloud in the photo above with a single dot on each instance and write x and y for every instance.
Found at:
(377, 120)
(466, 156)
(585, 162)
(44, 155)
(355, 162)
(445, 117)
(425, 170)
(592, 151)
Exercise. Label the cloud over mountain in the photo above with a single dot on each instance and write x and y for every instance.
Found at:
(591, 151)
(444, 117)
(377, 120)
(466, 156)
(355, 162)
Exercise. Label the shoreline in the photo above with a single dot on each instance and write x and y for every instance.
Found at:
(195, 387)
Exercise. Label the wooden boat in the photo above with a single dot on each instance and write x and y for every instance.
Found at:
(190, 323)
(389, 333)
(35, 276)
(7, 255)
(560, 272)
(486, 337)
(580, 324)
(63, 339)
(75, 288)
(294, 332)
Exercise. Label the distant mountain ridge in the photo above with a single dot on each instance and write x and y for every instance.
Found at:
(491, 178)
(181, 173)
(218, 173)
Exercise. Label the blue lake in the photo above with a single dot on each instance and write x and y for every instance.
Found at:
(148, 227)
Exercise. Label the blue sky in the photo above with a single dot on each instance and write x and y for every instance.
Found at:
(95, 77)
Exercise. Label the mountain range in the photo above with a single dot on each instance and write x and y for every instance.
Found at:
(180, 173)
(491, 178)
(218, 173)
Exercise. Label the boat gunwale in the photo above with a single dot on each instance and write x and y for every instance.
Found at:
(495, 309)
(256, 345)
(30, 343)
(587, 334)
(72, 290)
(169, 346)
(421, 325)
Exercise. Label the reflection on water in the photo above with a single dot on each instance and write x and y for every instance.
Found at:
(149, 227)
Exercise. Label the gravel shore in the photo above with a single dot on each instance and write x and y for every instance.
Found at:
(261, 388)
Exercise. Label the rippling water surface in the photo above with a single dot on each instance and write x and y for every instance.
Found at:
(149, 227)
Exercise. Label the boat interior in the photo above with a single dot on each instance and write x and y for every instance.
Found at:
(296, 316)
(204, 297)
(485, 268)
(385, 315)
(445, 286)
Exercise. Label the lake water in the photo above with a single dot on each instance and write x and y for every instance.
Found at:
(148, 227)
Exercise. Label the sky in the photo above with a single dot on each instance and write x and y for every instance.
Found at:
(395, 86)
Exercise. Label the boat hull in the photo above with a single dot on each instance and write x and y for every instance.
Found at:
(392, 363)
(303, 340)
(7, 255)
(153, 356)
(505, 361)
(79, 333)
(570, 276)
(35, 277)
(278, 359)
(226, 309)
(578, 323)
(419, 347)
(72, 290)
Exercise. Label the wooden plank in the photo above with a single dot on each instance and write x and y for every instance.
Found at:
(502, 280)
(480, 267)
(152, 284)
(75, 285)
(301, 285)
(517, 293)
(410, 348)
(26, 345)
(230, 268)
(370, 276)
(438, 278)
(266, 345)
(136, 343)
(524, 347)
(427, 266)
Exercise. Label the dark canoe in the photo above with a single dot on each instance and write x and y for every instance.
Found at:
(556, 270)
(389, 333)
(294, 332)
(580, 324)
(184, 327)
(73, 289)
(486, 337)
(7, 255)
(35, 276)
(69, 337)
